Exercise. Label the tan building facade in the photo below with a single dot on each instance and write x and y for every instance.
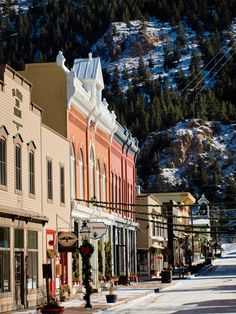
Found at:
(151, 236)
(25, 211)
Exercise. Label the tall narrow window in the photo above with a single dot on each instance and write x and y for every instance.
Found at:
(31, 173)
(91, 173)
(81, 175)
(4, 259)
(72, 171)
(62, 184)
(97, 181)
(49, 179)
(104, 185)
(32, 265)
(3, 162)
(18, 170)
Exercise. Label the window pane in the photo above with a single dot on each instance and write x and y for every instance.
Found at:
(4, 237)
(62, 184)
(31, 173)
(49, 171)
(4, 271)
(32, 239)
(19, 238)
(2, 162)
(32, 279)
(18, 167)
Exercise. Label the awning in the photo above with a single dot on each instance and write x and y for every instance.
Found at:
(23, 215)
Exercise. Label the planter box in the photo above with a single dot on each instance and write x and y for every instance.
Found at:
(124, 280)
(166, 276)
(52, 310)
(111, 298)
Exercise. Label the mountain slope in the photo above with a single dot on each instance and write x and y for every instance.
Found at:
(194, 155)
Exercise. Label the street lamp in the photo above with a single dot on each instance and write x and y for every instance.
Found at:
(86, 251)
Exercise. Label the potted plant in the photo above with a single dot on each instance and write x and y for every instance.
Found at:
(64, 292)
(52, 306)
(111, 297)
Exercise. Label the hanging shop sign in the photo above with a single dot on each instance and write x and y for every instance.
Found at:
(97, 230)
(67, 242)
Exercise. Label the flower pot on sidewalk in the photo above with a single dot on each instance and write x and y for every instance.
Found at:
(111, 298)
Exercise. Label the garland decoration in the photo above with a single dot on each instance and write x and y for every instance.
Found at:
(86, 250)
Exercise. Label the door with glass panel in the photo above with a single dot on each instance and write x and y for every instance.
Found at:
(19, 279)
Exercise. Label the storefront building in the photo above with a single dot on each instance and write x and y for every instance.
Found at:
(21, 214)
(96, 142)
(151, 236)
(33, 192)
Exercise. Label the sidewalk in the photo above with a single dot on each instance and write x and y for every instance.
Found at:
(125, 294)
(98, 300)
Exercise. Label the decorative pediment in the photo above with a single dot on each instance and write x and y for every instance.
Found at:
(3, 131)
(31, 146)
(17, 139)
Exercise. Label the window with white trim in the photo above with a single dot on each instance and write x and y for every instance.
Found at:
(97, 181)
(62, 185)
(91, 173)
(81, 175)
(18, 167)
(104, 185)
(5, 260)
(32, 271)
(72, 171)
(49, 180)
(3, 162)
(31, 172)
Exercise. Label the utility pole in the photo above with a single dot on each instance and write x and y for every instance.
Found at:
(191, 216)
(170, 232)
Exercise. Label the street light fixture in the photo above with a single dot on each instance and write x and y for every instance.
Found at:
(86, 251)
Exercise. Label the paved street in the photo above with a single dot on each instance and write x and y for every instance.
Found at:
(213, 291)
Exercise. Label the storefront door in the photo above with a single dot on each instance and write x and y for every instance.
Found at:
(19, 279)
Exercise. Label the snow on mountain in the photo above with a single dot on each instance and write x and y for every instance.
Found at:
(123, 43)
(192, 144)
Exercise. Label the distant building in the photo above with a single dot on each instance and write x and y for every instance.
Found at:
(151, 236)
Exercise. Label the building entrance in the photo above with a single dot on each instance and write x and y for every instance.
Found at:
(19, 279)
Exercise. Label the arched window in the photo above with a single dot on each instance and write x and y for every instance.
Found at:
(81, 174)
(104, 184)
(3, 162)
(72, 171)
(91, 174)
(97, 181)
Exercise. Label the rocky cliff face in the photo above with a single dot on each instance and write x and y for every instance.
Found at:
(194, 154)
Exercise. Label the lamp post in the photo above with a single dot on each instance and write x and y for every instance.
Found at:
(86, 251)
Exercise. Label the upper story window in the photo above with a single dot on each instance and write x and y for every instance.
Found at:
(81, 174)
(91, 174)
(31, 151)
(49, 180)
(97, 181)
(18, 168)
(62, 185)
(31, 173)
(18, 161)
(72, 171)
(104, 184)
(3, 162)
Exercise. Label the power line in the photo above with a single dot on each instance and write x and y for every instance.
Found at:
(205, 67)
(217, 72)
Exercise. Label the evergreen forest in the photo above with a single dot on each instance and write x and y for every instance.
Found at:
(146, 105)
